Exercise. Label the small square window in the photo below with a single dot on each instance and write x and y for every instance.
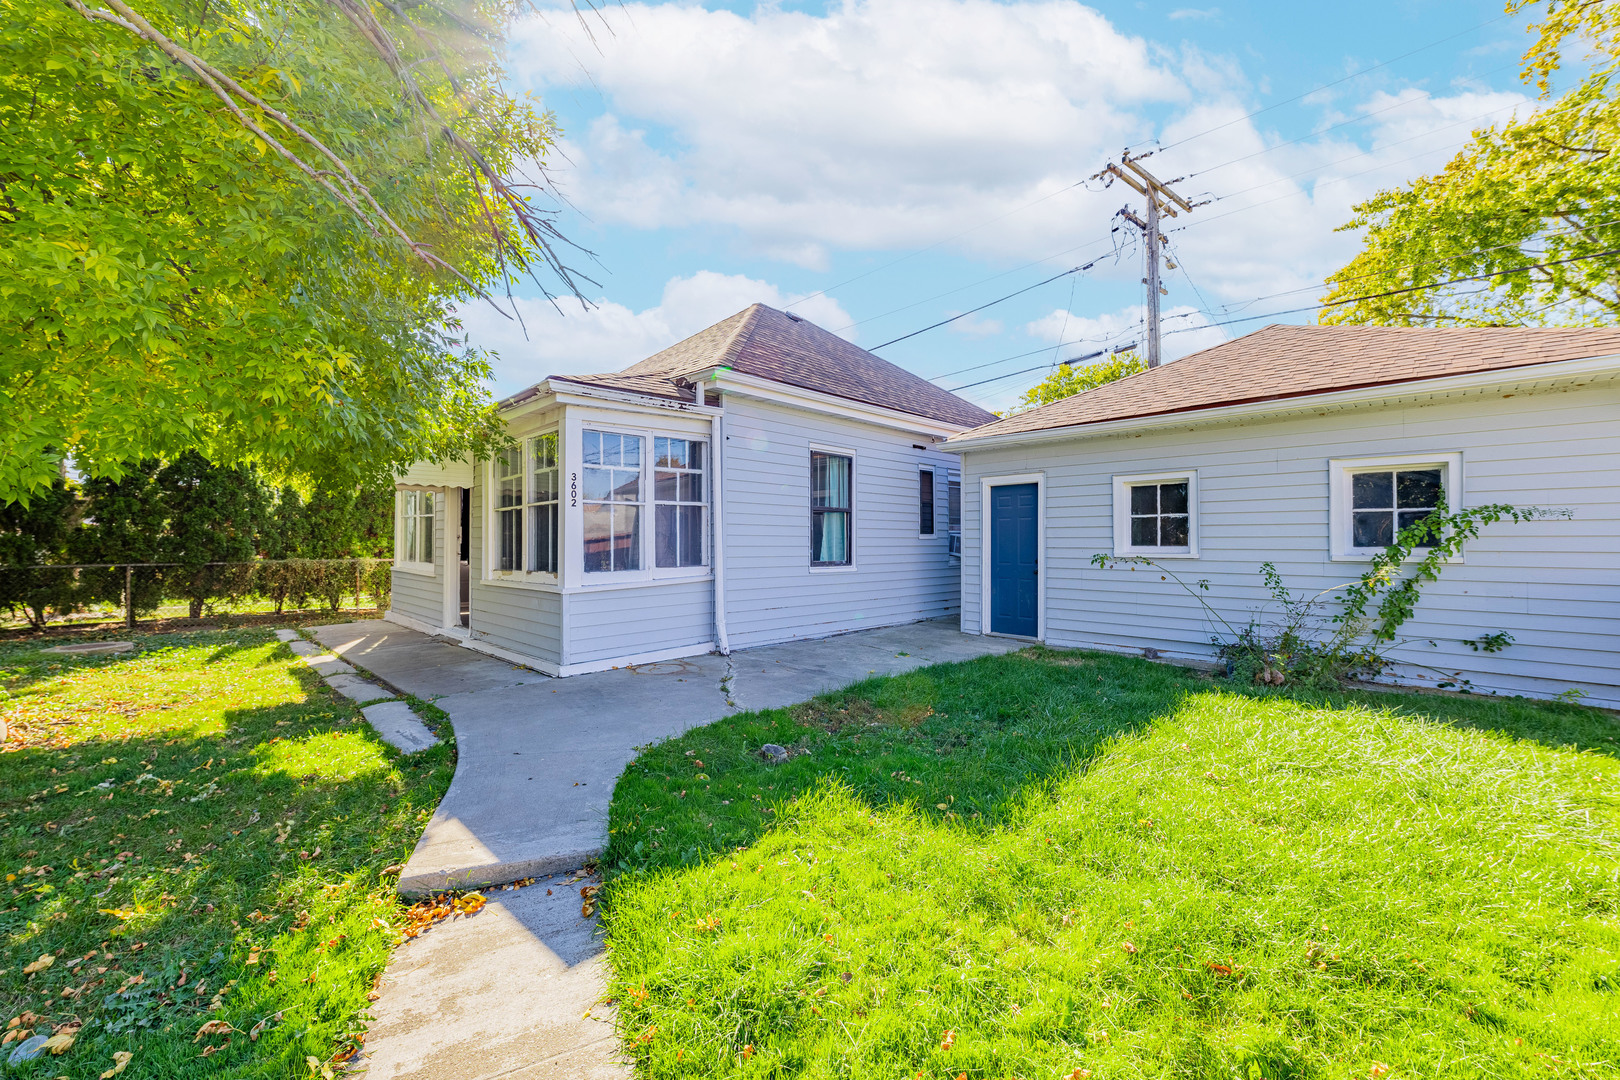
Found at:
(1156, 515)
(1374, 500)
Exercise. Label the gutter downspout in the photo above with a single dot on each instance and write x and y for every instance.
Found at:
(717, 439)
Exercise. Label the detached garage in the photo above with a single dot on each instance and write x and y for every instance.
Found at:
(1310, 447)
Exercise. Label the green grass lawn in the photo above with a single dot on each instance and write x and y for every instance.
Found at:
(1029, 865)
(196, 833)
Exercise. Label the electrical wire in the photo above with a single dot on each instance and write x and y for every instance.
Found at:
(992, 303)
(1408, 289)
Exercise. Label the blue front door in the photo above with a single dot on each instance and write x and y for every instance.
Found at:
(1015, 560)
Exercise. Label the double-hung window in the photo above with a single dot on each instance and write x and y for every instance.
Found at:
(925, 502)
(679, 501)
(509, 510)
(541, 502)
(1156, 514)
(1375, 499)
(415, 535)
(831, 509)
(614, 496)
(525, 510)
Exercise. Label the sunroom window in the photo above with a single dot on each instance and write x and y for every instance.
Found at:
(613, 498)
(524, 504)
(679, 499)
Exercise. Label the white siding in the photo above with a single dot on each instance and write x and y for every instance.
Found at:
(419, 596)
(1263, 493)
(523, 620)
(605, 624)
(771, 592)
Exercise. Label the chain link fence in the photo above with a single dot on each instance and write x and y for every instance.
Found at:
(36, 594)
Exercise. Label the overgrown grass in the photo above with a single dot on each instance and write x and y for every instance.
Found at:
(196, 833)
(1029, 865)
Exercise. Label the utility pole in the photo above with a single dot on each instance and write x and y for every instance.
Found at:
(1160, 199)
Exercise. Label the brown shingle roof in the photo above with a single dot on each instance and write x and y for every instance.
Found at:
(771, 344)
(1281, 362)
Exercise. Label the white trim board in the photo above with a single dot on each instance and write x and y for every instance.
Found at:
(1538, 376)
(1008, 480)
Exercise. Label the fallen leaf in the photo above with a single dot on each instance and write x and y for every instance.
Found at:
(1219, 969)
(948, 1041)
(1378, 1069)
(60, 1044)
(253, 956)
(213, 1027)
(748, 1051)
(1128, 947)
(392, 868)
(120, 1059)
(39, 965)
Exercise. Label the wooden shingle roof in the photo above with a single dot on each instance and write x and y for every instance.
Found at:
(1281, 362)
(784, 348)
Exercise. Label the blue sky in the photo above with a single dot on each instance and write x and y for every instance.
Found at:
(884, 164)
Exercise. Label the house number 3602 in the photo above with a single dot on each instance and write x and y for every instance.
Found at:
(573, 489)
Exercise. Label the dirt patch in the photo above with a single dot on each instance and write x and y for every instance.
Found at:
(834, 717)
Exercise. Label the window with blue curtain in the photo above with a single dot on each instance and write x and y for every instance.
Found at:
(831, 514)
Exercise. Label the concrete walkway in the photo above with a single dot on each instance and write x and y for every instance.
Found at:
(512, 992)
(537, 757)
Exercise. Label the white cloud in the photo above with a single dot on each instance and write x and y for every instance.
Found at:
(1195, 13)
(905, 124)
(1183, 329)
(611, 336)
(884, 123)
(974, 327)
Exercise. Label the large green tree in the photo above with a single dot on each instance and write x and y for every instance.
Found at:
(1522, 226)
(242, 230)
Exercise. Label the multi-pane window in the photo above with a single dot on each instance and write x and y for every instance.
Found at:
(525, 493)
(1159, 517)
(953, 504)
(613, 497)
(679, 500)
(925, 502)
(508, 504)
(1384, 502)
(542, 503)
(415, 527)
(830, 509)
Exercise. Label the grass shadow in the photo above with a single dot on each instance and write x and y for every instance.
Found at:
(976, 742)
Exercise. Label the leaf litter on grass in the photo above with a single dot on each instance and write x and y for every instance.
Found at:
(153, 877)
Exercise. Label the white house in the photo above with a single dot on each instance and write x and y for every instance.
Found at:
(761, 481)
(1307, 446)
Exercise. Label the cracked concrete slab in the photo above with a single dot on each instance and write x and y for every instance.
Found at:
(513, 991)
(357, 689)
(327, 665)
(399, 726)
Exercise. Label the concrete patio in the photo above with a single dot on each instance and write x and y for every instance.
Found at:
(514, 991)
(537, 757)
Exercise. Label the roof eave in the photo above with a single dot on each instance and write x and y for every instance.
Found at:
(1276, 405)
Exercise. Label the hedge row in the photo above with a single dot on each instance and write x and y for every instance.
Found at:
(38, 592)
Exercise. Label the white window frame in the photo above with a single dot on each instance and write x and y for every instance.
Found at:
(1122, 513)
(1340, 470)
(654, 502)
(933, 472)
(854, 509)
(649, 532)
(415, 566)
(492, 544)
(954, 535)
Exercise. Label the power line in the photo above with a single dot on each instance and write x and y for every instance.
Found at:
(981, 307)
(1408, 289)
(935, 244)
